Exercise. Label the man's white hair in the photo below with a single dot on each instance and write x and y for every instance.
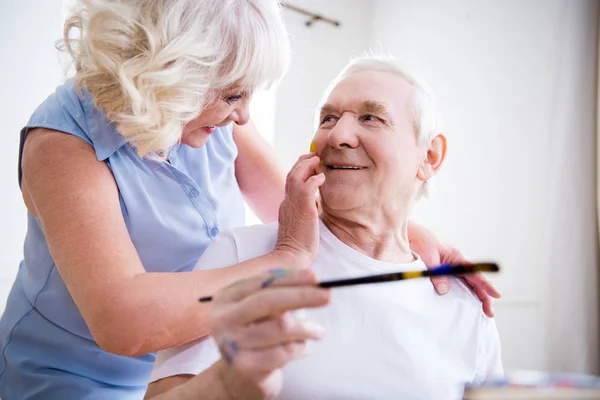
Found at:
(426, 120)
(154, 65)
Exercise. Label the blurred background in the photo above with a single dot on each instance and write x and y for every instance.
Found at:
(517, 88)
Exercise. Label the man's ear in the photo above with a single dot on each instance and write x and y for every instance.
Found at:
(436, 153)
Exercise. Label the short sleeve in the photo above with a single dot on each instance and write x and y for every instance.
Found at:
(70, 111)
(194, 357)
(62, 111)
(489, 363)
(188, 359)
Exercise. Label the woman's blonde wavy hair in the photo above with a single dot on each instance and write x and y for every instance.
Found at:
(153, 65)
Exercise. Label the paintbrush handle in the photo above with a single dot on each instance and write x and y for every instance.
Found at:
(399, 276)
(442, 270)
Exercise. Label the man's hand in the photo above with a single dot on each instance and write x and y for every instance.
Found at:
(433, 253)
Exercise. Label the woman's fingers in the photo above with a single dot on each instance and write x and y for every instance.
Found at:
(311, 186)
(274, 302)
(298, 214)
(306, 168)
(302, 158)
(479, 280)
(488, 302)
(277, 331)
(257, 364)
(273, 277)
(299, 176)
(253, 326)
(441, 284)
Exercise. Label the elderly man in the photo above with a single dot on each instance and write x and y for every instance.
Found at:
(380, 144)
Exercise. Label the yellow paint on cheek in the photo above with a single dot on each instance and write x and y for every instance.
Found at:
(313, 149)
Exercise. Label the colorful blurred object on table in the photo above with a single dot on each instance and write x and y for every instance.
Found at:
(534, 385)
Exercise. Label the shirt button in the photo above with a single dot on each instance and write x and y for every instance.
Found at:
(194, 193)
(214, 231)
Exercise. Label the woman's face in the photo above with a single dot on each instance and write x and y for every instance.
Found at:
(231, 106)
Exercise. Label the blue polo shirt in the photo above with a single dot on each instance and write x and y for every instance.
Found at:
(172, 211)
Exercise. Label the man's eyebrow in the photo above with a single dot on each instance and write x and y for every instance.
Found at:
(327, 109)
(367, 106)
(374, 107)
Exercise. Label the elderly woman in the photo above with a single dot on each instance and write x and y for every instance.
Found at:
(129, 171)
(379, 141)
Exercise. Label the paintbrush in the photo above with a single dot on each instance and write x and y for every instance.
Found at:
(442, 270)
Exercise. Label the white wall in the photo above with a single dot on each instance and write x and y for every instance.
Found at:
(29, 72)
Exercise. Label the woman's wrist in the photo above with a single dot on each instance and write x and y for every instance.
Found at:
(232, 385)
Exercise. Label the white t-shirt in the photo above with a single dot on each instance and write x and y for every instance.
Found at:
(397, 340)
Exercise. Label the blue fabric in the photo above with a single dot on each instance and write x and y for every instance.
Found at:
(172, 212)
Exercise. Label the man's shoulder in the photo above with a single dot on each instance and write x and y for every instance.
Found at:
(460, 289)
(465, 299)
(236, 245)
(469, 307)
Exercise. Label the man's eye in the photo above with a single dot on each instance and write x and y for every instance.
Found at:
(370, 117)
(329, 118)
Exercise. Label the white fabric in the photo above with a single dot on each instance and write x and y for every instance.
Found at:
(384, 341)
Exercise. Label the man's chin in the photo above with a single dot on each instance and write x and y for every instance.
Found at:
(339, 199)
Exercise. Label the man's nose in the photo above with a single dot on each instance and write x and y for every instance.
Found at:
(343, 134)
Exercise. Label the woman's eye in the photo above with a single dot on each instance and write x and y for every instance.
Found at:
(233, 99)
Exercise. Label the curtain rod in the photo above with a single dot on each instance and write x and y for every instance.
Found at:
(313, 17)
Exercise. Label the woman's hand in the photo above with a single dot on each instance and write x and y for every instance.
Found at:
(256, 333)
(433, 253)
(298, 215)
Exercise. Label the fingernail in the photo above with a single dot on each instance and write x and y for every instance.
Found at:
(300, 315)
(314, 328)
(442, 288)
(496, 289)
